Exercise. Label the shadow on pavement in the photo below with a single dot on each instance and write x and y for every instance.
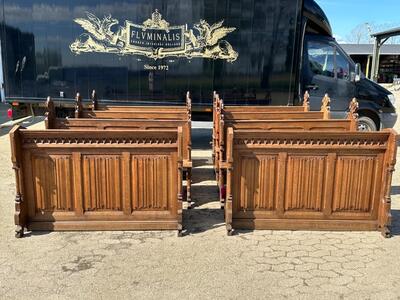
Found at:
(198, 162)
(395, 190)
(202, 220)
(36, 233)
(201, 138)
(395, 230)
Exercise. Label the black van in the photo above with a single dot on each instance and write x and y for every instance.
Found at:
(152, 52)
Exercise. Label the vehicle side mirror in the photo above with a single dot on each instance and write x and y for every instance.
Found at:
(357, 73)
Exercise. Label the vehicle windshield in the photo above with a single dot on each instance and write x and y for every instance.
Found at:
(321, 59)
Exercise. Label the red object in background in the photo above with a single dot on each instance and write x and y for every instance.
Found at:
(9, 113)
(223, 192)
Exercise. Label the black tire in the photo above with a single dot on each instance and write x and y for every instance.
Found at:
(366, 124)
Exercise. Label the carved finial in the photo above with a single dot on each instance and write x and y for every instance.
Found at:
(220, 102)
(217, 102)
(49, 104)
(325, 108)
(78, 105)
(326, 103)
(94, 100)
(306, 101)
(353, 109)
(50, 113)
(189, 105)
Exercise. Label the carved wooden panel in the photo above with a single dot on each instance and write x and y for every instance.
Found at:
(151, 182)
(354, 184)
(52, 176)
(257, 183)
(102, 182)
(304, 183)
(98, 180)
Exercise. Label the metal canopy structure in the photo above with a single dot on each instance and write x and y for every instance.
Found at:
(380, 39)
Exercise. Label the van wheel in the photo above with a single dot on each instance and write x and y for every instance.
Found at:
(366, 124)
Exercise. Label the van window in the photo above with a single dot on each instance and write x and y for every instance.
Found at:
(321, 58)
(342, 66)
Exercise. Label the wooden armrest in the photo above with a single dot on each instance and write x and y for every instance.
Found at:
(225, 165)
(187, 163)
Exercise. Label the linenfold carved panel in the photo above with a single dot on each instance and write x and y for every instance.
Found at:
(257, 183)
(102, 182)
(53, 185)
(354, 184)
(150, 182)
(304, 183)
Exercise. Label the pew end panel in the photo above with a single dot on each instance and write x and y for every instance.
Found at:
(20, 214)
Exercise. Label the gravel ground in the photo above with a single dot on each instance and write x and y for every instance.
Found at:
(205, 264)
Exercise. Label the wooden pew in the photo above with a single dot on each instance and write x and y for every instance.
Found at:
(130, 116)
(262, 113)
(291, 125)
(313, 180)
(272, 121)
(98, 180)
(218, 106)
(350, 124)
(130, 111)
(144, 107)
(144, 115)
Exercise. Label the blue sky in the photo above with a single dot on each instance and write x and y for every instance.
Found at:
(345, 15)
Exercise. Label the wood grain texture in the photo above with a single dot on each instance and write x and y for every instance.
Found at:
(318, 180)
(102, 182)
(257, 183)
(109, 117)
(92, 180)
(354, 183)
(53, 182)
(304, 183)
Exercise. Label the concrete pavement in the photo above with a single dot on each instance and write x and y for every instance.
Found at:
(204, 264)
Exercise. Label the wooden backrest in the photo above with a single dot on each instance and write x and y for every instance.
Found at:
(278, 112)
(100, 114)
(291, 125)
(116, 124)
(260, 112)
(148, 118)
(263, 108)
(127, 124)
(187, 108)
(314, 174)
(282, 126)
(351, 124)
(288, 120)
(244, 115)
(75, 175)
